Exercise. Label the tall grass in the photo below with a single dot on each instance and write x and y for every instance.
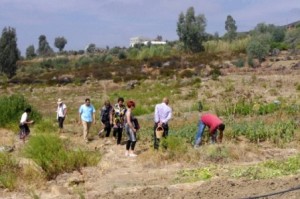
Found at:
(11, 109)
(220, 46)
(8, 171)
(54, 157)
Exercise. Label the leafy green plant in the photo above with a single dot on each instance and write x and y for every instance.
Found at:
(268, 108)
(53, 156)
(194, 175)
(279, 133)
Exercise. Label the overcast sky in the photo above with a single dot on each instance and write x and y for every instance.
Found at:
(114, 22)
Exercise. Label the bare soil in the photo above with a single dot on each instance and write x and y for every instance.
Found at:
(119, 176)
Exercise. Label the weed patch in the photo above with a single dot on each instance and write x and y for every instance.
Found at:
(269, 169)
(52, 155)
(194, 175)
(8, 171)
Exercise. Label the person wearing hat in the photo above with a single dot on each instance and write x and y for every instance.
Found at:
(61, 113)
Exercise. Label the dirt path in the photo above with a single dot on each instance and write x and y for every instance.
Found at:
(118, 176)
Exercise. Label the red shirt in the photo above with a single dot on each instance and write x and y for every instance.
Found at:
(212, 121)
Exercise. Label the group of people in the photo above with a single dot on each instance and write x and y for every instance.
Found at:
(119, 117)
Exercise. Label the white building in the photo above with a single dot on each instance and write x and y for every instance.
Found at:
(145, 41)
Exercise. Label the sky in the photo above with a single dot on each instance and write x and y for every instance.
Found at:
(113, 22)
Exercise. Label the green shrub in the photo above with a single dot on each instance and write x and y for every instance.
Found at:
(8, 171)
(54, 157)
(12, 107)
(258, 47)
(174, 146)
(239, 63)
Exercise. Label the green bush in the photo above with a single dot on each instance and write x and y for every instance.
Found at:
(54, 157)
(259, 47)
(174, 146)
(12, 107)
(239, 63)
(8, 171)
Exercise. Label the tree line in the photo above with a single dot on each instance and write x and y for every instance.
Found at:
(191, 33)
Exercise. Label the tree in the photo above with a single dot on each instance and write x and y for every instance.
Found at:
(259, 46)
(9, 53)
(60, 43)
(44, 48)
(191, 30)
(292, 38)
(231, 28)
(30, 52)
(159, 38)
(91, 48)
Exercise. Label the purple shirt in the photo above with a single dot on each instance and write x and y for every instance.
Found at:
(163, 113)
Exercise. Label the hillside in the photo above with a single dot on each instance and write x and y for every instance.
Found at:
(259, 155)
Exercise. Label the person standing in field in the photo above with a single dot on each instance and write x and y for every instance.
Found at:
(131, 128)
(87, 117)
(24, 122)
(106, 118)
(61, 113)
(214, 124)
(162, 115)
(118, 119)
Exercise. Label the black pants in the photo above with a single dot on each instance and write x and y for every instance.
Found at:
(24, 131)
(107, 128)
(61, 122)
(118, 134)
(165, 134)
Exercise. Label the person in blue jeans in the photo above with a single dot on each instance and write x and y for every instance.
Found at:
(214, 123)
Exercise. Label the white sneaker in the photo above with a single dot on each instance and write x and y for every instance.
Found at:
(126, 153)
(132, 155)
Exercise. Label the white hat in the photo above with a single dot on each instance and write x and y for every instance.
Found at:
(59, 101)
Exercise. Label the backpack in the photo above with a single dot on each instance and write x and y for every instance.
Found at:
(104, 115)
(136, 124)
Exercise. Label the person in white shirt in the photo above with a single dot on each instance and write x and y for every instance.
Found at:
(61, 113)
(24, 122)
(162, 115)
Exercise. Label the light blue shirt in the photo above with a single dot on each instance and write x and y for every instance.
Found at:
(87, 112)
(163, 113)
